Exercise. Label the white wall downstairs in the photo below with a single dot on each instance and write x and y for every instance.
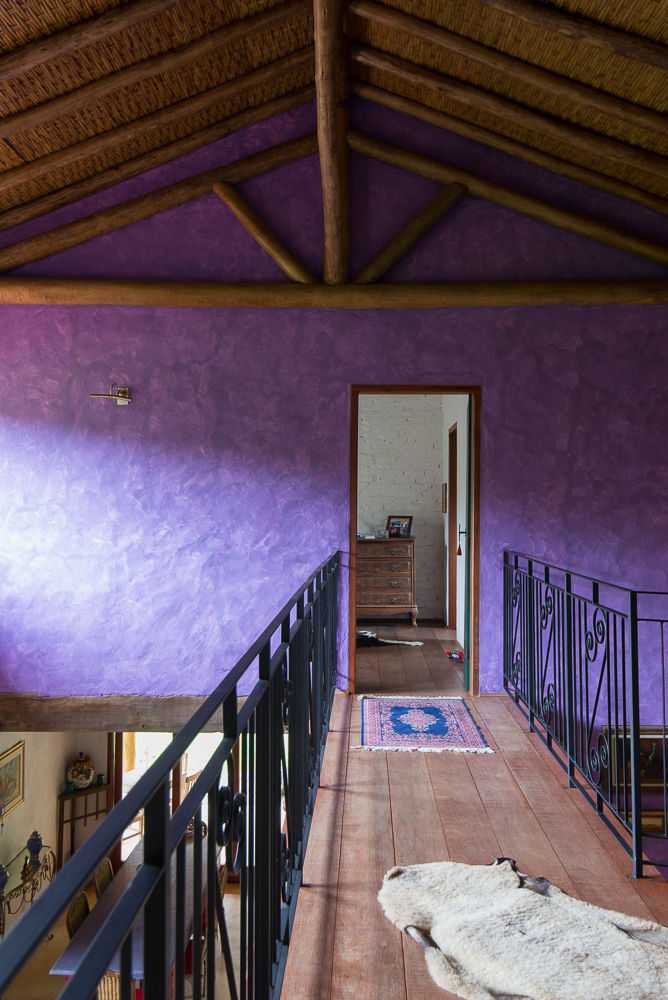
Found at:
(46, 758)
(400, 471)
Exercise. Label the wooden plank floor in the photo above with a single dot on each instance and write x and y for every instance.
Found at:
(375, 810)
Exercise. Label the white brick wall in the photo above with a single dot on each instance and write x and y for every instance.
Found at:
(400, 471)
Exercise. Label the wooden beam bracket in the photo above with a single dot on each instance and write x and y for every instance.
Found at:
(262, 234)
(404, 241)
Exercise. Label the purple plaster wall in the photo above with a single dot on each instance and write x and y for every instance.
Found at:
(143, 547)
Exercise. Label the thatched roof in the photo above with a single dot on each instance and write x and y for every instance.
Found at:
(96, 91)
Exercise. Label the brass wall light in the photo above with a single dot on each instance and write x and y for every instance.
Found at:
(120, 393)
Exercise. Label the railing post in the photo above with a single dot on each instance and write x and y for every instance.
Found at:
(531, 644)
(634, 692)
(298, 742)
(333, 618)
(263, 908)
(570, 681)
(157, 930)
(506, 621)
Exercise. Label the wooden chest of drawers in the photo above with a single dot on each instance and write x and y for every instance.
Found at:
(386, 577)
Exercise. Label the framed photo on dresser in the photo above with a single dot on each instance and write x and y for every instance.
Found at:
(399, 526)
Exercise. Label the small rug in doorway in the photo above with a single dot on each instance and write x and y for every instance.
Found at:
(428, 724)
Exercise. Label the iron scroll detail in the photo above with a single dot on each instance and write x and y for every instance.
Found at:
(599, 756)
(596, 635)
(548, 703)
(231, 825)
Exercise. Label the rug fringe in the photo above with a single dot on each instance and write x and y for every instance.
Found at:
(412, 697)
(425, 749)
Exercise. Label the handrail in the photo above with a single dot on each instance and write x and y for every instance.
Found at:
(305, 658)
(591, 678)
(538, 561)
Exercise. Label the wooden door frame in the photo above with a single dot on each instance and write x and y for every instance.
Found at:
(453, 539)
(474, 393)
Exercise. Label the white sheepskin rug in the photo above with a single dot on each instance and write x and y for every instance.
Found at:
(491, 933)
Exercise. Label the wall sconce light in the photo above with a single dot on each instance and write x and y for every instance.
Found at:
(120, 393)
(462, 531)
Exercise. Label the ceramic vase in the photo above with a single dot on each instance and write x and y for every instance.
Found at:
(81, 771)
(34, 846)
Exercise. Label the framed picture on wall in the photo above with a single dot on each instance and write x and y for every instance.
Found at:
(399, 526)
(11, 777)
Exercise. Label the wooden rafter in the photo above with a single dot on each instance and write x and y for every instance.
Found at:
(290, 295)
(94, 29)
(201, 48)
(509, 146)
(98, 144)
(262, 234)
(418, 227)
(471, 96)
(554, 84)
(143, 206)
(332, 106)
(153, 158)
(515, 200)
(584, 30)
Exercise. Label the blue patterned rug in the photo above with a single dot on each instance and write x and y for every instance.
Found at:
(428, 724)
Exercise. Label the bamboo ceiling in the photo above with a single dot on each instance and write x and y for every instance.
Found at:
(95, 91)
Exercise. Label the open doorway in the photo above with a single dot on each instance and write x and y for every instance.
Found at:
(443, 547)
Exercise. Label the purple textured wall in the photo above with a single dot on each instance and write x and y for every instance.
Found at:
(137, 542)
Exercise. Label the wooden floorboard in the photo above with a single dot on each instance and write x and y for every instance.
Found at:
(368, 959)
(383, 809)
(308, 972)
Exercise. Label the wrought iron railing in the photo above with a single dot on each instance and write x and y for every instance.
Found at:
(256, 792)
(586, 661)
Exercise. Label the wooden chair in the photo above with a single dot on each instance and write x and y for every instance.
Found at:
(76, 914)
(109, 987)
(188, 781)
(103, 876)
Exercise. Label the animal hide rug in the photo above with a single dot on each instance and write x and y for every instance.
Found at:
(491, 933)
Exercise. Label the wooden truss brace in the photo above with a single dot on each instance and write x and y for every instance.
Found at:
(262, 234)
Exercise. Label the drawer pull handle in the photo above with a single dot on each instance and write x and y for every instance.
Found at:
(395, 600)
(396, 551)
(394, 583)
(395, 567)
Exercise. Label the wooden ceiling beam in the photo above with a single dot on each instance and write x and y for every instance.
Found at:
(332, 109)
(97, 145)
(559, 87)
(290, 295)
(582, 29)
(545, 125)
(573, 222)
(143, 206)
(418, 227)
(153, 158)
(509, 146)
(201, 48)
(131, 713)
(95, 29)
(262, 234)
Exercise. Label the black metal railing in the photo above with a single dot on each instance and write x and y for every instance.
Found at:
(586, 661)
(256, 793)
